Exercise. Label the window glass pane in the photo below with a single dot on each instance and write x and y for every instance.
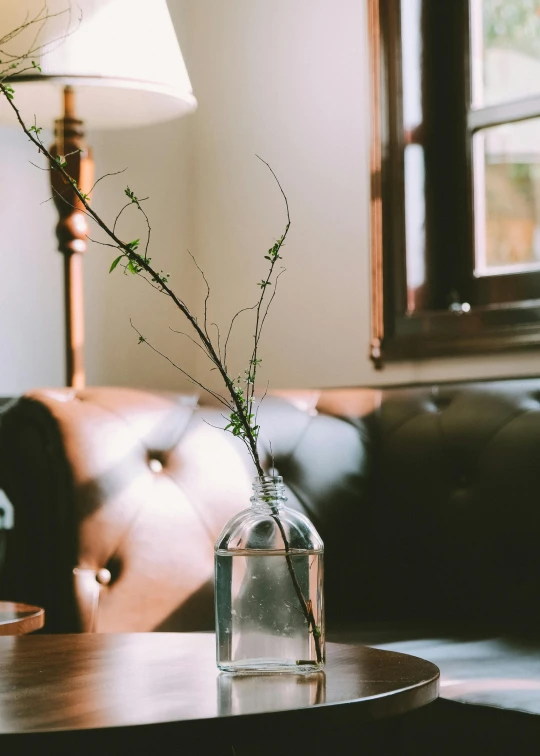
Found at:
(505, 37)
(507, 198)
(411, 63)
(414, 159)
(415, 219)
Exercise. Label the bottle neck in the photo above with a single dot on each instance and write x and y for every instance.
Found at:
(268, 492)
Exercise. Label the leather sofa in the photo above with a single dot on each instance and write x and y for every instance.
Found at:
(427, 498)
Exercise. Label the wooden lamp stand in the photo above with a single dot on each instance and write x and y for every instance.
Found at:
(72, 230)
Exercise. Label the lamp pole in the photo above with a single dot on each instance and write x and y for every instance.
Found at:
(72, 230)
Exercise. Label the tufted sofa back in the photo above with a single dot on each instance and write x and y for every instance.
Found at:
(457, 515)
(427, 500)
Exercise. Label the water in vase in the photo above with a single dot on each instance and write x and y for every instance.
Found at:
(261, 613)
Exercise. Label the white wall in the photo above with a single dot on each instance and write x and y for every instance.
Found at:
(31, 309)
(159, 165)
(286, 79)
(157, 162)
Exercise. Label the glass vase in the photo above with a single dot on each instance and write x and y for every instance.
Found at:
(269, 588)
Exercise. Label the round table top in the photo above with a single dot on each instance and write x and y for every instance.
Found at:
(88, 681)
(19, 619)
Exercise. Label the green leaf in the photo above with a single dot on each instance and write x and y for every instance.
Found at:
(131, 195)
(115, 263)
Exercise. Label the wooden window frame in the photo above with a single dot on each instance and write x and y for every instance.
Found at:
(397, 331)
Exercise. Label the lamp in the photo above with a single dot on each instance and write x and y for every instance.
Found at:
(116, 64)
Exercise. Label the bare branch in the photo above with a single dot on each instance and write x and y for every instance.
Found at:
(39, 167)
(128, 204)
(39, 20)
(280, 188)
(148, 226)
(226, 430)
(105, 175)
(203, 350)
(261, 400)
(273, 256)
(242, 408)
(218, 338)
(207, 291)
(281, 272)
(70, 204)
(217, 427)
(272, 457)
(245, 309)
(149, 282)
(101, 244)
(143, 340)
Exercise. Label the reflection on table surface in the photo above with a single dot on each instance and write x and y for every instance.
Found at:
(247, 694)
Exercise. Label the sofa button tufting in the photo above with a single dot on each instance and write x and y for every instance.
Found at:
(155, 465)
(103, 576)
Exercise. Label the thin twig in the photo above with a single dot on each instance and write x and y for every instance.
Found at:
(207, 291)
(101, 243)
(105, 175)
(39, 21)
(203, 350)
(261, 400)
(68, 203)
(218, 338)
(244, 309)
(281, 272)
(144, 340)
(128, 204)
(272, 458)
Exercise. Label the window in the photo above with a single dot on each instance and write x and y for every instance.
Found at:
(455, 176)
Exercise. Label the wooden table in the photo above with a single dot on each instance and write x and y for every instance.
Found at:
(19, 619)
(115, 693)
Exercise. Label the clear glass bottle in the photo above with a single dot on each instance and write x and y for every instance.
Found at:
(269, 587)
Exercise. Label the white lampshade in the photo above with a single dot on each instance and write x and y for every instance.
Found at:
(121, 56)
